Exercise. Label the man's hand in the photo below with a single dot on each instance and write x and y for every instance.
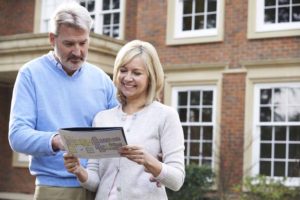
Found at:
(57, 143)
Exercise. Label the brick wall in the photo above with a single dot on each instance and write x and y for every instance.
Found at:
(12, 179)
(16, 16)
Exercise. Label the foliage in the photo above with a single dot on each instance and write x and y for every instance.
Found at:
(198, 180)
(266, 188)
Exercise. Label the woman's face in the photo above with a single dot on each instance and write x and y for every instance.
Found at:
(133, 80)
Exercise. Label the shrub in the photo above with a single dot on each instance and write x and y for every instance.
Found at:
(198, 180)
(262, 187)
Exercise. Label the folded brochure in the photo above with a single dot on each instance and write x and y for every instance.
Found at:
(93, 142)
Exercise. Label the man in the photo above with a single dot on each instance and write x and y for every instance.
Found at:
(58, 90)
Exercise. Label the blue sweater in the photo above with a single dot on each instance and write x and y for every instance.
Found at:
(45, 99)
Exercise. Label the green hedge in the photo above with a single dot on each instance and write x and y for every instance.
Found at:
(197, 182)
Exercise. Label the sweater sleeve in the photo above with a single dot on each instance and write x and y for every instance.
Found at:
(172, 145)
(22, 134)
(93, 180)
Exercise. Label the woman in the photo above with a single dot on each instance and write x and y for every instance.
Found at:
(150, 127)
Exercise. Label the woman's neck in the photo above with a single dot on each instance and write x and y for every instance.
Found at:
(132, 107)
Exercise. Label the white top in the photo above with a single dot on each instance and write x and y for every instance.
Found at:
(158, 129)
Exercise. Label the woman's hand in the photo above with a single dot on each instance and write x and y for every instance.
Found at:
(72, 165)
(139, 155)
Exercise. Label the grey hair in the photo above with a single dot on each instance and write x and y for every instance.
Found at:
(71, 14)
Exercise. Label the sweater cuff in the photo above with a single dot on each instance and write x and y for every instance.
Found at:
(163, 173)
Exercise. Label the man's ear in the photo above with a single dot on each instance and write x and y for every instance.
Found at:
(52, 39)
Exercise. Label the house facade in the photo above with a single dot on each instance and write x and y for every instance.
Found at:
(232, 71)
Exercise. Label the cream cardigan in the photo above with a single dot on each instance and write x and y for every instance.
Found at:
(157, 128)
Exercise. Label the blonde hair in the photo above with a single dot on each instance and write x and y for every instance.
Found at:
(148, 54)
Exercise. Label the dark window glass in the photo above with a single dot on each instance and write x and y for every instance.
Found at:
(182, 98)
(270, 16)
(265, 168)
(207, 149)
(270, 2)
(295, 133)
(105, 5)
(106, 30)
(91, 6)
(206, 114)
(195, 98)
(195, 149)
(265, 96)
(207, 132)
(187, 23)
(194, 115)
(279, 169)
(116, 17)
(207, 98)
(296, 13)
(265, 150)
(200, 6)
(280, 150)
(106, 19)
(116, 4)
(294, 151)
(283, 15)
(182, 114)
(266, 133)
(280, 133)
(187, 6)
(199, 22)
(283, 2)
(265, 114)
(211, 21)
(195, 132)
(211, 5)
(294, 169)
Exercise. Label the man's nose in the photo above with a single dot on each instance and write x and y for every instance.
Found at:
(76, 50)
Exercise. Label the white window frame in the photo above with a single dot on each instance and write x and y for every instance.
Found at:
(258, 29)
(256, 131)
(262, 27)
(174, 100)
(179, 33)
(98, 21)
(175, 35)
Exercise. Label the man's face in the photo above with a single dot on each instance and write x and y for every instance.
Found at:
(70, 47)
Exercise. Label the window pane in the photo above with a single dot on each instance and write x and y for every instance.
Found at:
(207, 132)
(116, 18)
(207, 98)
(211, 21)
(185, 132)
(279, 114)
(199, 22)
(182, 98)
(194, 115)
(206, 162)
(105, 5)
(283, 15)
(116, 31)
(206, 114)
(187, 6)
(270, 17)
(207, 150)
(295, 133)
(265, 96)
(106, 30)
(182, 114)
(294, 113)
(279, 150)
(280, 133)
(195, 149)
(283, 2)
(294, 169)
(265, 114)
(116, 4)
(200, 6)
(106, 19)
(265, 150)
(211, 5)
(294, 151)
(270, 2)
(296, 14)
(91, 6)
(195, 133)
(296, 1)
(265, 168)
(195, 98)
(187, 23)
(266, 133)
(279, 169)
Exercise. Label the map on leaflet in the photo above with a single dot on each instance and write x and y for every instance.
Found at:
(96, 142)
